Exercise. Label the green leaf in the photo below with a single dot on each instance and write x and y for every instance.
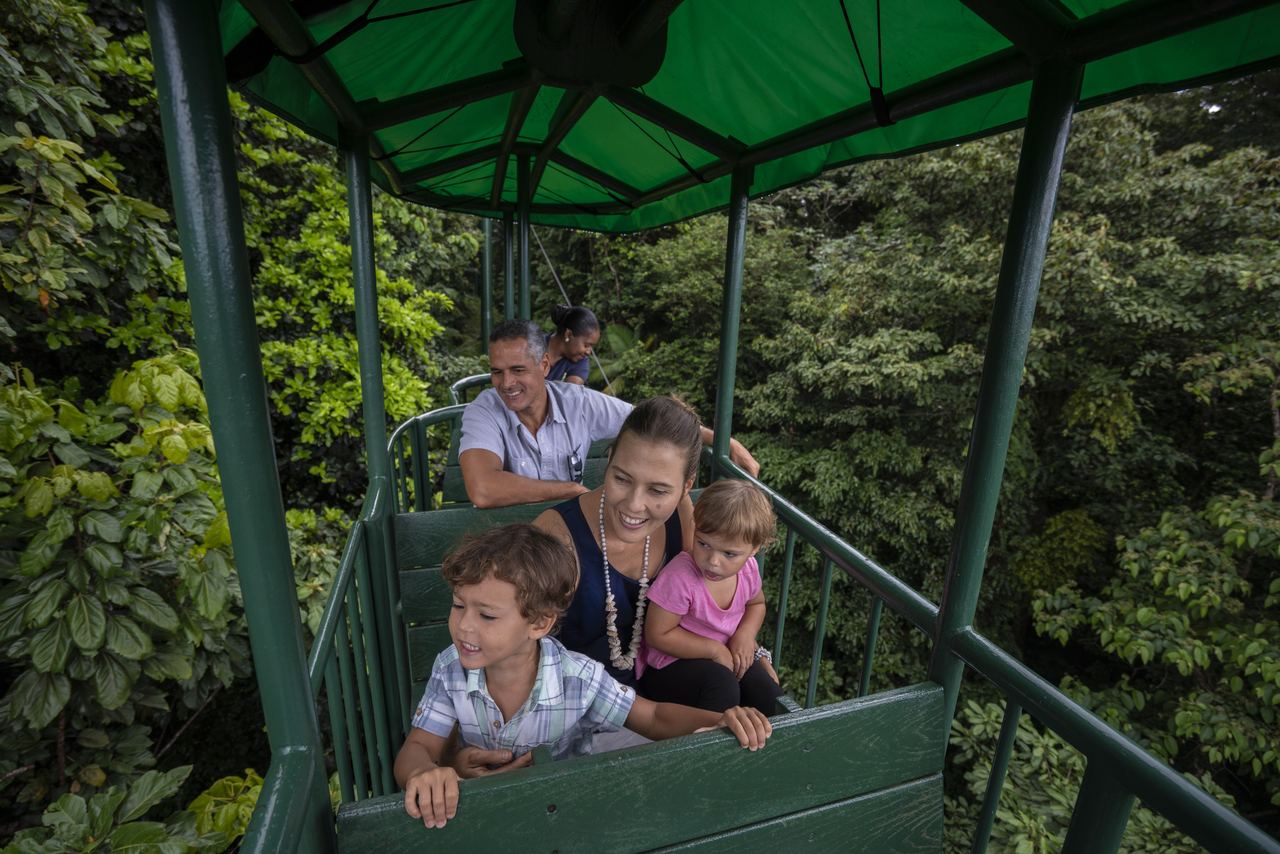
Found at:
(140, 836)
(126, 638)
(174, 449)
(93, 739)
(39, 498)
(102, 525)
(71, 418)
(39, 696)
(150, 789)
(102, 810)
(112, 680)
(146, 485)
(168, 665)
(50, 647)
(88, 622)
(39, 553)
(103, 557)
(69, 818)
(72, 454)
(219, 532)
(60, 524)
(148, 606)
(46, 601)
(209, 591)
(96, 485)
(13, 615)
(166, 392)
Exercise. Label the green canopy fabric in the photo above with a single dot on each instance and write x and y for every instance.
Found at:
(451, 105)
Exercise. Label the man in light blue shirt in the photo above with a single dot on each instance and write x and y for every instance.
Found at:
(525, 439)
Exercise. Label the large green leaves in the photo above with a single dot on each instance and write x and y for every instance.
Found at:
(150, 789)
(87, 621)
(39, 697)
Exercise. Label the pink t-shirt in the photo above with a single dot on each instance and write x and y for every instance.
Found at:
(680, 589)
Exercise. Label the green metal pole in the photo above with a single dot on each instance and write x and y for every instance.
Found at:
(386, 587)
(1101, 812)
(730, 313)
(364, 279)
(522, 196)
(192, 87)
(509, 265)
(486, 286)
(995, 779)
(1053, 98)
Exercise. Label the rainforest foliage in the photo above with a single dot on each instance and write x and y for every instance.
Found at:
(1136, 554)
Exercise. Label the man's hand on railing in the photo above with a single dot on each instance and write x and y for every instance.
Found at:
(472, 762)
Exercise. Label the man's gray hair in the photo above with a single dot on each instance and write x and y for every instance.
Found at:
(535, 341)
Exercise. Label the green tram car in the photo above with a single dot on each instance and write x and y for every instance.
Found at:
(619, 115)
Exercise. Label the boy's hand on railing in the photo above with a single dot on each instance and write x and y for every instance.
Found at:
(750, 726)
(432, 796)
(472, 762)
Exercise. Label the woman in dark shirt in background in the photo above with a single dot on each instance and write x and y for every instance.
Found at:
(577, 331)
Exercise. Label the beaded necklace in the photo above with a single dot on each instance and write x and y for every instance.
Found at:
(620, 661)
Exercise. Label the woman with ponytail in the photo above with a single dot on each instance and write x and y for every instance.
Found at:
(577, 331)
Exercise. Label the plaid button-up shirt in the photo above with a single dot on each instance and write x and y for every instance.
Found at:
(573, 697)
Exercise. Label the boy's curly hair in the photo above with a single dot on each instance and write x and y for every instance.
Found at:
(737, 510)
(540, 567)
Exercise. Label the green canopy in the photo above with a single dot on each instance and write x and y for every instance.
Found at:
(451, 105)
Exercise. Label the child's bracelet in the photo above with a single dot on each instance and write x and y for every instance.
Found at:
(761, 652)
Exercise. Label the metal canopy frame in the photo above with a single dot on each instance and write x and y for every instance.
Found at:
(1039, 32)
(294, 810)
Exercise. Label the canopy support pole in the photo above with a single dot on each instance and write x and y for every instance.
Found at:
(508, 266)
(522, 194)
(192, 87)
(730, 313)
(387, 627)
(486, 285)
(1053, 97)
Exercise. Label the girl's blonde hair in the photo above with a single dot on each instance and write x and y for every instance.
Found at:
(737, 510)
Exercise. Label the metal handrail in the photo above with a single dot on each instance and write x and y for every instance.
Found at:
(456, 390)
(1159, 786)
(1130, 770)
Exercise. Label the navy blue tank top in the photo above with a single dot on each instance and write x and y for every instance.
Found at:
(583, 627)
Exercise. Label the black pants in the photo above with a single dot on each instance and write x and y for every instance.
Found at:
(704, 684)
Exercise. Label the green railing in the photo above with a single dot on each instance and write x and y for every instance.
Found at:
(1117, 770)
(368, 704)
(415, 475)
(458, 389)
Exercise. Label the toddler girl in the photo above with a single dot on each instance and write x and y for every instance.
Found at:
(705, 609)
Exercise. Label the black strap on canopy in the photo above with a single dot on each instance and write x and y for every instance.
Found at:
(879, 106)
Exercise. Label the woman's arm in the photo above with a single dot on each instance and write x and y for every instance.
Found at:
(668, 720)
(662, 632)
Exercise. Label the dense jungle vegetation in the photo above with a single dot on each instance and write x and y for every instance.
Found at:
(1136, 555)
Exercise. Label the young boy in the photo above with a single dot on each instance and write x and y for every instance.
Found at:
(509, 686)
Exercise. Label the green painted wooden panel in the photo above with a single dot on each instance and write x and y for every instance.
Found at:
(901, 819)
(422, 539)
(425, 596)
(425, 643)
(699, 785)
